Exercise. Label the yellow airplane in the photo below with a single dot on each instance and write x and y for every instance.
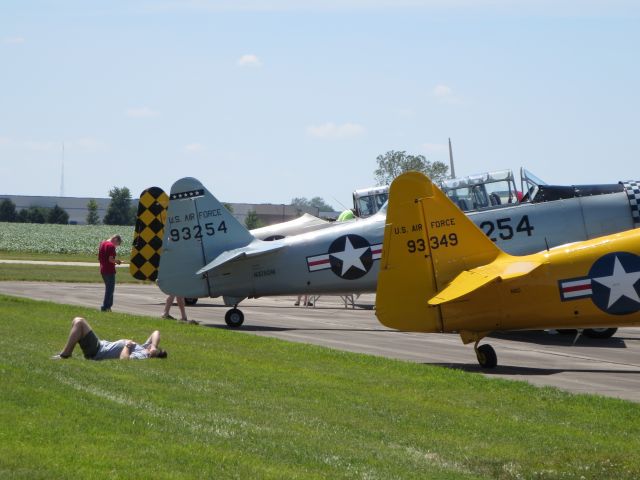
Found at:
(440, 273)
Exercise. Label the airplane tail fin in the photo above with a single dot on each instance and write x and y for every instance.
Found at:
(198, 229)
(148, 233)
(428, 241)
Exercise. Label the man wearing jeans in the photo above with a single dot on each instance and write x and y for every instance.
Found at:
(108, 262)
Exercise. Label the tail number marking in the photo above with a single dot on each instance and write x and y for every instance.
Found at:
(503, 225)
(187, 233)
(435, 242)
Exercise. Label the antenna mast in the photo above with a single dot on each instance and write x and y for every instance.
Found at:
(453, 171)
(62, 173)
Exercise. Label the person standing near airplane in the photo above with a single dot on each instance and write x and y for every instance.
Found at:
(108, 262)
(183, 313)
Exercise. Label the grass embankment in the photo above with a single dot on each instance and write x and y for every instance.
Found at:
(56, 273)
(230, 405)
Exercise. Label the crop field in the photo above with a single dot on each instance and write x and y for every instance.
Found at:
(61, 239)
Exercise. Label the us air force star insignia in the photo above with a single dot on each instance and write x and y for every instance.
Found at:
(611, 284)
(620, 283)
(350, 257)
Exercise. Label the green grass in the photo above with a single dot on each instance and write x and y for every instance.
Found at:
(58, 273)
(231, 405)
(55, 257)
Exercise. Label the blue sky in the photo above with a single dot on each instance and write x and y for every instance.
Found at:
(266, 101)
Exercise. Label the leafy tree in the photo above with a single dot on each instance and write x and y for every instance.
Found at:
(8, 211)
(33, 215)
(393, 163)
(92, 217)
(57, 215)
(252, 221)
(228, 206)
(302, 203)
(120, 211)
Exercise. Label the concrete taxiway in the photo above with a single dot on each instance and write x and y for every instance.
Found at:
(608, 367)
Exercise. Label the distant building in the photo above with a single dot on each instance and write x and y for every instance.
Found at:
(76, 207)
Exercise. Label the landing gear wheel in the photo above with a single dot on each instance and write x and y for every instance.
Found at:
(234, 318)
(487, 357)
(599, 332)
(190, 301)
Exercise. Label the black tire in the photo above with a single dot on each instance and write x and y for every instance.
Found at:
(190, 301)
(487, 357)
(599, 332)
(234, 318)
(567, 331)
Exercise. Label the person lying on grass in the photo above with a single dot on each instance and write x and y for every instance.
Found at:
(96, 349)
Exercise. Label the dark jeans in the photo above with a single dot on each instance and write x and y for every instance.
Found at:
(109, 287)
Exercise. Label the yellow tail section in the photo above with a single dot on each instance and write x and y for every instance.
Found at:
(428, 241)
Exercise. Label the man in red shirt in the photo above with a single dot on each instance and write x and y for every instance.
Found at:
(108, 262)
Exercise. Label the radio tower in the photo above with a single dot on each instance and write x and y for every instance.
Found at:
(62, 173)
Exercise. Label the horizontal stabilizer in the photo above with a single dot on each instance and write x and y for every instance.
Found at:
(471, 280)
(254, 249)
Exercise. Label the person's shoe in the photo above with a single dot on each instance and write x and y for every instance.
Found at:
(168, 317)
(297, 304)
(105, 309)
(60, 356)
(309, 304)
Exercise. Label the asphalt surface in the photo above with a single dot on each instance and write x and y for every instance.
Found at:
(608, 367)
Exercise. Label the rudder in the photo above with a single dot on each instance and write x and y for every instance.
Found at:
(198, 229)
(146, 249)
(427, 242)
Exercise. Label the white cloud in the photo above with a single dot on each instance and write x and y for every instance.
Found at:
(330, 130)
(445, 94)
(249, 60)
(194, 148)
(141, 112)
(4, 141)
(14, 40)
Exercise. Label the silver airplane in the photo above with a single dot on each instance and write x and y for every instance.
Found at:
(208, 253)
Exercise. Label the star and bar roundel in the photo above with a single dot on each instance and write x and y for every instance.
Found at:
(147, 235)
(349, 257)
(612, 284)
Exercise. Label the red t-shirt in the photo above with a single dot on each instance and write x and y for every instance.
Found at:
(106, 250)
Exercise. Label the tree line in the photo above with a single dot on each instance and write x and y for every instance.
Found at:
(122, 212)
(119, 212)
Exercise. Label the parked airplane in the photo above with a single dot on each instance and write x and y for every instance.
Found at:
(208, 253)
(440, 273)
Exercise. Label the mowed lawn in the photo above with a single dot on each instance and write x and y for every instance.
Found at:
(230, 405)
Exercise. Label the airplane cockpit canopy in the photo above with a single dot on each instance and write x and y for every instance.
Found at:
(484, 190)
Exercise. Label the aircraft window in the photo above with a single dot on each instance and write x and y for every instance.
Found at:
(274, 237)
(502, 193)
(479, 195)
(381, 199)
(366, 206)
